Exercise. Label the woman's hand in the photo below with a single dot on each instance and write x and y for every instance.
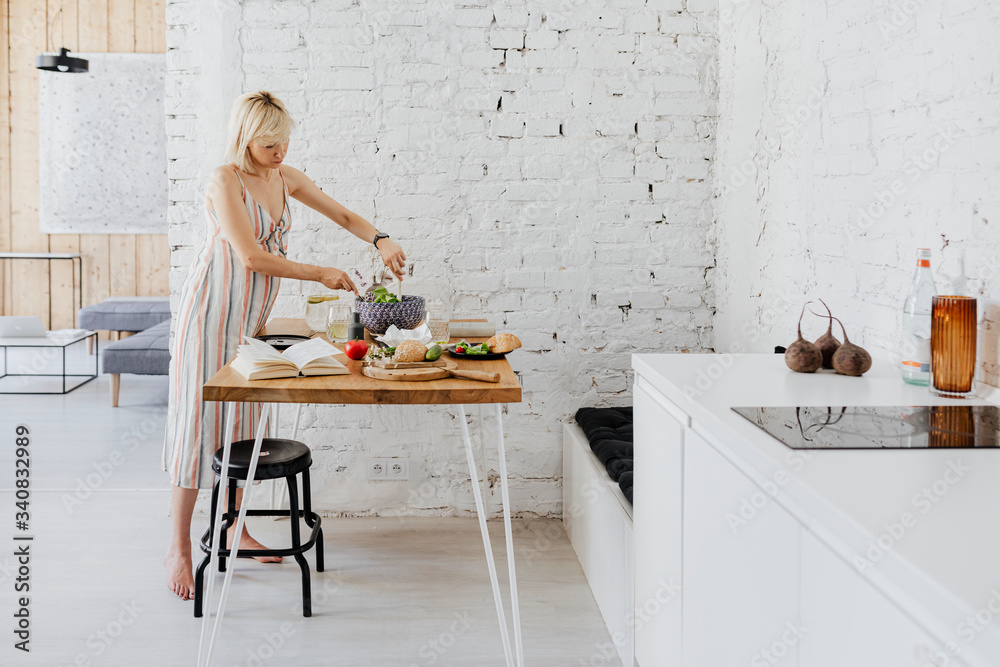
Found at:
(337, 279)
(392, 256)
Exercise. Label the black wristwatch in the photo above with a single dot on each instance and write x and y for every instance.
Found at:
(378, 237)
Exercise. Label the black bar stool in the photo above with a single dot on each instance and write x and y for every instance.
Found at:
(278, 458)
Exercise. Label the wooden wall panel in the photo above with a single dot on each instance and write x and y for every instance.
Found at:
(116, 264)
(158, 262)
(121, 247)
(93, 30)
(62, 22)
(5, 267)
(152, 252)
(27, 39)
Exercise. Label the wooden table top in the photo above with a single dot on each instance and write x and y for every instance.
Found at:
(228, 385)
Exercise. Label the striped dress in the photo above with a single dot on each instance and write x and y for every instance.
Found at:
(220, 303)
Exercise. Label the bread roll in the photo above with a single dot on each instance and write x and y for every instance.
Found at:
(504, 342)
(409, 350)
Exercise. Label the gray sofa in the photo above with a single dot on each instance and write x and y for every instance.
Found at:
(145, 353)
(124, 315)
(134, 313)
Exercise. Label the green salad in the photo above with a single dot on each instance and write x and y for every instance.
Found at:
(380, 295)
(467, 348)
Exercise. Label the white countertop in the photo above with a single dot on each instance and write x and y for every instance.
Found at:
(944, 567)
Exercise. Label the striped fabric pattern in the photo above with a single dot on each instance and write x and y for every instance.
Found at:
(220, 303)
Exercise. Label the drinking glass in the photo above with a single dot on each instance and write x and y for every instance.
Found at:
(317, 306)
(338, 318)
(953, 346)
(437, 317)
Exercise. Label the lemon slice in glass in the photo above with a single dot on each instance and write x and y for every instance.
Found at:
(320, 298)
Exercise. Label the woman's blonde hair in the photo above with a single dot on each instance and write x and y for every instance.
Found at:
(260, 117)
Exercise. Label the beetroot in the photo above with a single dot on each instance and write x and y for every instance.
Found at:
(827, 343)
(803, 356)
(850, 359)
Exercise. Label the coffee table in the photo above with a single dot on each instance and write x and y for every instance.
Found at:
(47, 347)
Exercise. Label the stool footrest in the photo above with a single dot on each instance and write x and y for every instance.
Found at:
(284, 513)
(253, 553)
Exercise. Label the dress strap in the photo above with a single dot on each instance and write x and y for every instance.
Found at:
(283, 184)
(240, 177)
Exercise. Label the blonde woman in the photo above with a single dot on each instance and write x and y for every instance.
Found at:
(228, 293)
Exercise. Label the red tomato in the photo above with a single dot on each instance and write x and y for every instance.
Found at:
(459, 349)
(356, 349)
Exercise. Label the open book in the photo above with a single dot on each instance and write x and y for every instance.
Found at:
(259, 361)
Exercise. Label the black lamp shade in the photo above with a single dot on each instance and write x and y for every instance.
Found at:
(62, 62)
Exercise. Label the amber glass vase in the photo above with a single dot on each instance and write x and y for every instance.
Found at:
(953, 345)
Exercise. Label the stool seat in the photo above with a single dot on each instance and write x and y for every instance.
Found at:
(279, 458)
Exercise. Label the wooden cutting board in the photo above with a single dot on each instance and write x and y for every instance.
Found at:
(389, 364)
(447, 369)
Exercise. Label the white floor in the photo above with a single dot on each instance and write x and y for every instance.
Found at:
(397, 591)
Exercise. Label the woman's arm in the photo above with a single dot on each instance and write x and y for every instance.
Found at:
(303, 189)
(224, 191)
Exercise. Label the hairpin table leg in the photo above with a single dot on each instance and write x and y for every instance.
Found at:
(227, 445)
(234, 554)
(509, 536)
(486, 536)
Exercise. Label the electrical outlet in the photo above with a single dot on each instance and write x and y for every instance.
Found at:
(374, 468)
(398, 468)
(385, 467)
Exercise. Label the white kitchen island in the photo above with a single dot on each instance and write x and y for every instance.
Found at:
(806, 558)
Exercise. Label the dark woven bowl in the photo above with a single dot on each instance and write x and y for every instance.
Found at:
(377, 317)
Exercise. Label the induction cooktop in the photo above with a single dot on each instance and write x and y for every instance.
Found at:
(879, 427)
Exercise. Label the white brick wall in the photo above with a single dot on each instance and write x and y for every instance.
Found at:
(543, 163)
(850, 134)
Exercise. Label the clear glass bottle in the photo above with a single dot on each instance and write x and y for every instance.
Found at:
(916, 333)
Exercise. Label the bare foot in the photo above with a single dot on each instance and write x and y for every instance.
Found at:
(247, 542)
(179, 578)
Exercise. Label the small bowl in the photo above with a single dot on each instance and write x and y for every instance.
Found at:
(377, 317)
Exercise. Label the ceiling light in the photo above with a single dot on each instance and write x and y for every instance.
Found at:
(61, 63)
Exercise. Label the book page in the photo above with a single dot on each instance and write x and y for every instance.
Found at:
(260, 351)
(257, 372)
(301, 354)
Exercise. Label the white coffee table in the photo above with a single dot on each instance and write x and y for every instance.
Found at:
(48, 347)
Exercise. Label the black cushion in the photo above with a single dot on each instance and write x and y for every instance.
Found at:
(590, 418)
(625, 484)
(609, 451)
(278, 458)
(619, 466)
(609, 431)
